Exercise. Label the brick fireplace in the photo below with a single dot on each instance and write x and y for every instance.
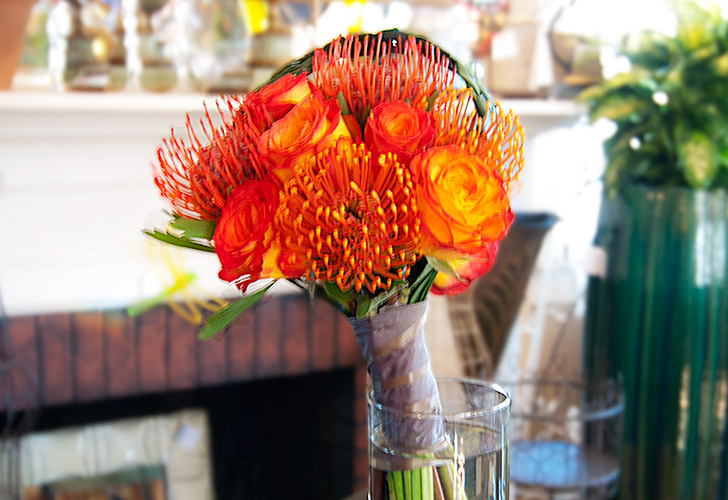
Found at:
(289, 364)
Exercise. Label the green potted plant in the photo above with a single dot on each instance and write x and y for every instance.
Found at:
(671, 108)
(657, 312)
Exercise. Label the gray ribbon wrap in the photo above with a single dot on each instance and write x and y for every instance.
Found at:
(393, 343)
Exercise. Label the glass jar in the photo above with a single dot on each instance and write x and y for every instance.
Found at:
(460, 452)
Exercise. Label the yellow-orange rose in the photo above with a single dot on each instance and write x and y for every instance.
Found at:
(312, 125)
(279, 97)
(396, 127)
(463, 205)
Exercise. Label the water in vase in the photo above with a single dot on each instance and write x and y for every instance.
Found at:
(473, 466)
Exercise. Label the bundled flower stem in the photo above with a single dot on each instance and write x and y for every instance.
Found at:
(370, 172)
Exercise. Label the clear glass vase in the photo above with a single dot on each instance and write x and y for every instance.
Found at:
(464, 455)
(565, 438)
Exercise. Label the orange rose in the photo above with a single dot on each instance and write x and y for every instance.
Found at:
(399, 128)
(463, 205)
(244, 233)
(467, 269)
(279, 97)
(312, 125)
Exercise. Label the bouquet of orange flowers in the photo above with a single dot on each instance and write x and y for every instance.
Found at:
(369, 172)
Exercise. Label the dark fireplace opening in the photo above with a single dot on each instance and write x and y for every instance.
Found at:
(277, 438)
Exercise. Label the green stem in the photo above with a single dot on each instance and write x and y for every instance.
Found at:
(426, 482)
(444, 472)
(398, 480)
(390, 485)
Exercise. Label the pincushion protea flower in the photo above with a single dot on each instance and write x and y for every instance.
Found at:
(356, 225)
(368, 170)
(197, 178)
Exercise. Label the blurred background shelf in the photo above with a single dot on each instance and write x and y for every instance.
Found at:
(128, 102)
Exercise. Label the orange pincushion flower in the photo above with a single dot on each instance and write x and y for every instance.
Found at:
(371, 70)
(462, 202)
(197, 178)
(355, 229)
(497, 137)
(245, 232)
(399, 128)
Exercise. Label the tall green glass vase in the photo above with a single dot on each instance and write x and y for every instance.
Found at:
(658, 317)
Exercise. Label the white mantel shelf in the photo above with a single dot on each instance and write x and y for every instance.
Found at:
(127, 102)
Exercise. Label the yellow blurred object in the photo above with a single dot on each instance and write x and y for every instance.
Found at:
(356, 11)
(100, 48)
(255, 15)
(186, 298)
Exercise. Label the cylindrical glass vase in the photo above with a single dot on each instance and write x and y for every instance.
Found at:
(467, 458)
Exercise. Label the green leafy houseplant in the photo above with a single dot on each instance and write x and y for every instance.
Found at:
(656, 312)
(671, 108)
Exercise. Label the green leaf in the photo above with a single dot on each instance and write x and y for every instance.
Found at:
(723, 158)
(371, 305)
(226, 315)
(635, 79)
(424, 290)
(365, 117)
(480, 94)
(333, 291)
(699, 160)
(443, 266)
(431, 100)
(696, 25)
(616, 107)
(422, 276)
(720, 65)
(342, 103)
(421, 287)
(193, 228)
(179, 241)
(363, 306)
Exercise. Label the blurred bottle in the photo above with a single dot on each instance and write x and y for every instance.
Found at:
(84, 45)
(213, 45)
(150, 35)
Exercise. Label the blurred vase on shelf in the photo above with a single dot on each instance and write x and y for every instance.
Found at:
(85, 49)
(186, 45)
(149, 37)
(213, 46)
